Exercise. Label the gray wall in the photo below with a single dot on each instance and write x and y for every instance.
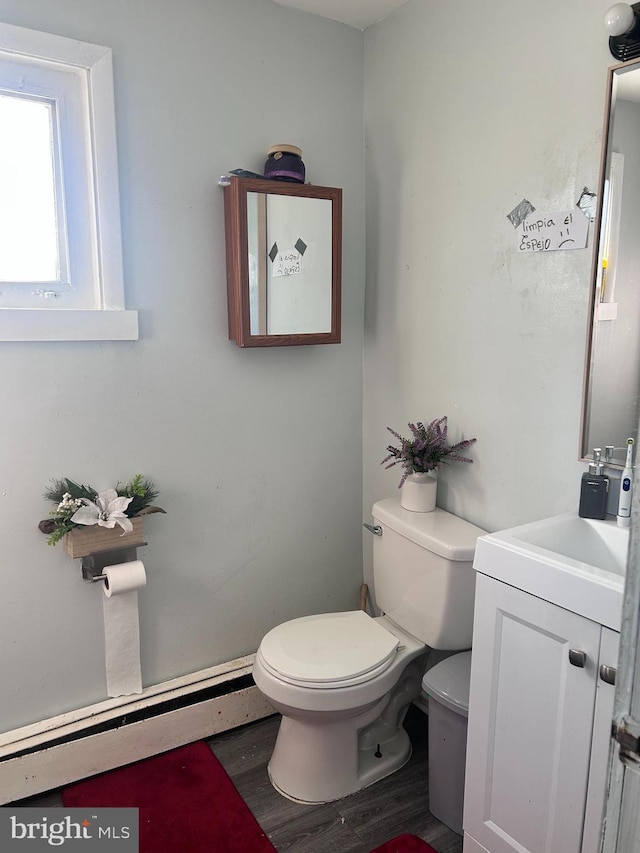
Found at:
(258, 454)
(471, 107)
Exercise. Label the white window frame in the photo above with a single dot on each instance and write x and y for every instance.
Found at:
(94, 305)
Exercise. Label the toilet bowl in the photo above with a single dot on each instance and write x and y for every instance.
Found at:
(342, 724)
(343, 681)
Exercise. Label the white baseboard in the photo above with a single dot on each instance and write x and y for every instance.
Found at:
(91, 740)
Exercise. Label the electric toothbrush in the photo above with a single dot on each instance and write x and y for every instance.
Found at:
(626, 488)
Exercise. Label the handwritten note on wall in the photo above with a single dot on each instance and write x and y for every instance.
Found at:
(551, 232)
(287, 263)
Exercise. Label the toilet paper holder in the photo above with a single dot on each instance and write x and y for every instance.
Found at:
(93, 564)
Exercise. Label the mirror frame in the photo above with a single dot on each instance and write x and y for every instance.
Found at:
(605, 164)
(237, 250)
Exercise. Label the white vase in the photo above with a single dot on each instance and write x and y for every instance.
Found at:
(418, 493)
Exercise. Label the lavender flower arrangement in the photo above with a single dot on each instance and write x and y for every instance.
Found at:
(426, 450)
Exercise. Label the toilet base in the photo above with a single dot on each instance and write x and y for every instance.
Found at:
(373, 769)
(319, 763)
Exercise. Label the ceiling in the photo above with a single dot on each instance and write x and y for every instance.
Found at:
(356, 13)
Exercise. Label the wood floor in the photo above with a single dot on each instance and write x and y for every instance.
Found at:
(356, 824)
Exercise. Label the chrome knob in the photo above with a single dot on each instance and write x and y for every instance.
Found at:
(374, 528)
(608, 674)
(577, 657)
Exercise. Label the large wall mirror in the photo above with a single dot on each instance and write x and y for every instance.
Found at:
(612, 377)
(284, 258)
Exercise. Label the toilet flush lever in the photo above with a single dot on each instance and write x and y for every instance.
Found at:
(374, 528)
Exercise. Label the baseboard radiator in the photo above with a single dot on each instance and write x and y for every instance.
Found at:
(54, 752)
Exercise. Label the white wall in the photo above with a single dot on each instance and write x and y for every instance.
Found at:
(470, 108)
(257, 453)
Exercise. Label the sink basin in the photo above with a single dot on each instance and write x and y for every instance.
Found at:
(598, 544)
(577, 563)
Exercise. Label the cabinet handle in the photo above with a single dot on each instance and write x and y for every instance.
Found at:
(608, 674)
(577, 657)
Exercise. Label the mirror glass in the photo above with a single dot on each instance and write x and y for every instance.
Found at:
(612, 377)
(289, 256)
(284, 252)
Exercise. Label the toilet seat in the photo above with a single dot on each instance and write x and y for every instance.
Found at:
(328, 650)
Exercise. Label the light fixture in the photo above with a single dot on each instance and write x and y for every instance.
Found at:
(622, 22)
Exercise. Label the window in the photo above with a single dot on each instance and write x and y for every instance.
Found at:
(60, 243)
(28, 215)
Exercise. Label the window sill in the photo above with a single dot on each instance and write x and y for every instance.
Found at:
(59, 324)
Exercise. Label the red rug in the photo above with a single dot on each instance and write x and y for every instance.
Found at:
(188, 804)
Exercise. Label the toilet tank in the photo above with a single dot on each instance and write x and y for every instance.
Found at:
(423, 573)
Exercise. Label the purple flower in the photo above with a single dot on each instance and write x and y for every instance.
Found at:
(426, 450)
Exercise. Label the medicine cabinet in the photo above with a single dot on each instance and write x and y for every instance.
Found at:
(284, 261)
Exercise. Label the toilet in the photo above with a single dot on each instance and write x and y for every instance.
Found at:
(343, 681)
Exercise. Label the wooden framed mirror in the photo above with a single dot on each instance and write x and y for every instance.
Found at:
(284, 262)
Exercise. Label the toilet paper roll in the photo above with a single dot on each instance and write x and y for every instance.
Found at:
(124, 577)
(122, 628)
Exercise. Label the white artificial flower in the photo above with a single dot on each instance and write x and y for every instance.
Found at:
(68, 503)
(107, 511)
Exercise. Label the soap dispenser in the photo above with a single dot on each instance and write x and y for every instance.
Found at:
(594, 489)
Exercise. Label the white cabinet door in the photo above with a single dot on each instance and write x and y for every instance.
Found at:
(530, 722)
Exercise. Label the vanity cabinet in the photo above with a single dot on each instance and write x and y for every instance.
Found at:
(539, 725)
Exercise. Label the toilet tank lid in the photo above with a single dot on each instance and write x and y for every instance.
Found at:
(439, 531)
